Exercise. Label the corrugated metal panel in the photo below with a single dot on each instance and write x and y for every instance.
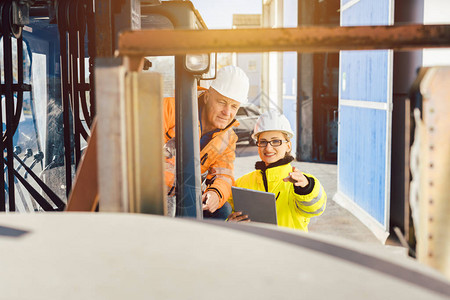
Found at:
(362, 158)
(364, 75)
(365, 114)
(365, 12)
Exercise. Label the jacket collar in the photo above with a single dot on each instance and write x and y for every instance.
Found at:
(260, 165)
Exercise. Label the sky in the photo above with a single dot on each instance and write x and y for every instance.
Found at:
(436, 12)
(218, 14)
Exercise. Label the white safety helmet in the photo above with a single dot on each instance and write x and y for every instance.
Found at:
(232, 82)
(272, 121)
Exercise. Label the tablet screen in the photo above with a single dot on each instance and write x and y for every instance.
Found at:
(259, 206)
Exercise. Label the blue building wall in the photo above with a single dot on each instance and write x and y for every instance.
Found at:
(366, 12)
(364, 114)
(364, 75)
(362, 159)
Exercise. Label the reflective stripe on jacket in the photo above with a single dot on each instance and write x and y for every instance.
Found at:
(293, 210)
(216, 158)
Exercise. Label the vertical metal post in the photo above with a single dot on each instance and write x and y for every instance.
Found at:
(406, 65)
(73, 61)
(144, 141)
(103, 29)
(5, 92)
(298, 151)
(111, 143)
(305, 87)
(91, 27)
(9, 98)
(62, 22)
(2, 179)
(82, 83)
(188, 177)
(66, 112)
(20, 84)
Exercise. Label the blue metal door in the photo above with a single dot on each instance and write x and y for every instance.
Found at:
(365, 104)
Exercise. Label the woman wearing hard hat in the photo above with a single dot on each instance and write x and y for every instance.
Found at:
(299, 196)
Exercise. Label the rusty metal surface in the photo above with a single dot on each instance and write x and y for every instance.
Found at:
(304, 39)
(103, 29)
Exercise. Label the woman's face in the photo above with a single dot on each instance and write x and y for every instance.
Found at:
(270, 154)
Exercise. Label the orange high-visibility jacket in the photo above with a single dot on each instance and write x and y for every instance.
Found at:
(216, 158)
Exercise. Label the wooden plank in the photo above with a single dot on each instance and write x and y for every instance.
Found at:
(84, 195)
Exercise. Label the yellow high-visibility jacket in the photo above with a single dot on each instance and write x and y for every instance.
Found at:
(296, 206)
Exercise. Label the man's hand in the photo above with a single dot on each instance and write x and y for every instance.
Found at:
(297, 178)
(238, 217)
(210, 201)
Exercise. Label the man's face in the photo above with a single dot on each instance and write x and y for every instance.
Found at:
(219, 110)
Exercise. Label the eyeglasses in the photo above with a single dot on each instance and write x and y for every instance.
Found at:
(273, 143)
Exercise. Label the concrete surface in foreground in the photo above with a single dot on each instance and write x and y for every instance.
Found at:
(136, 256)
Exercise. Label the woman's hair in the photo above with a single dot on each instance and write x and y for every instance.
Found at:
(288, 153)
(284, 134)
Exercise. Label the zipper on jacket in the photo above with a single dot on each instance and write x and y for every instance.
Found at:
(264, 176)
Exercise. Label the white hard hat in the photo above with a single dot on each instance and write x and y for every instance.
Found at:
(272, 121)
(232, 82)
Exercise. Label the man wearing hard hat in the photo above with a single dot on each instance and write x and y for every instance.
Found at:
(217, 108)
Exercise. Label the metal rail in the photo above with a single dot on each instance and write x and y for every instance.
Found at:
(303, 39)
(12, 115)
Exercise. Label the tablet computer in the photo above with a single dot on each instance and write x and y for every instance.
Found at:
(259, 206)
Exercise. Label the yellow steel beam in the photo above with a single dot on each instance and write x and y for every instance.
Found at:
(304, 39)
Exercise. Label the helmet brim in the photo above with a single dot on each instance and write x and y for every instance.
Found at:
(289, 134)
